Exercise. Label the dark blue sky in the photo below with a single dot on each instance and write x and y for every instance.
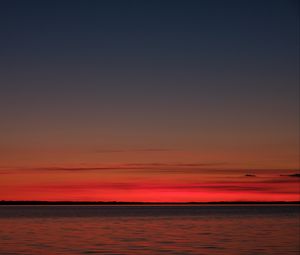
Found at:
(157, 74)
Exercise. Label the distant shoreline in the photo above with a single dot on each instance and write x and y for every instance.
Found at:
(5, 202)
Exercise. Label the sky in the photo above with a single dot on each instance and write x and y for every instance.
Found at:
(149, 100)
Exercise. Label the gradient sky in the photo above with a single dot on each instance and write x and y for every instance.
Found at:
(149, 100)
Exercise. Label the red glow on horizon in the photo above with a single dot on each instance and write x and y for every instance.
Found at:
(145, 192)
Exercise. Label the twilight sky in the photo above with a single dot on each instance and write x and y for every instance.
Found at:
(149, 100)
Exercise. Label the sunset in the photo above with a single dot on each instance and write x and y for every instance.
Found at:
(99, 100)
(149, 102)
(149, 183)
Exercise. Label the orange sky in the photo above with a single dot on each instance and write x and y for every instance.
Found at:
(149, 101)
(50, 168)
(180, 182)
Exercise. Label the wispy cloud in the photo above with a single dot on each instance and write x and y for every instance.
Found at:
(133, 150)
(213, 169)
(187, 187)
(5, 172)
(291, 175)
(250, 175)
(157, 167)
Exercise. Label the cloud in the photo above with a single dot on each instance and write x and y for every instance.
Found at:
(109, 151)
(5, 172)
(155, 150)
(250, 175)
(232, 187)
(151, 167)
(291, 175)
(207, 168)
(177, 165)
(134, 150)
(279, 180)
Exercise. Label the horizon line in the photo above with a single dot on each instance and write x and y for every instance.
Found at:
(66, 202)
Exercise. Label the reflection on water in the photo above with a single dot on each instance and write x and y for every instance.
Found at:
(149, 230)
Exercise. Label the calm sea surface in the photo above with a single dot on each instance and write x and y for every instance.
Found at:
(231, 230)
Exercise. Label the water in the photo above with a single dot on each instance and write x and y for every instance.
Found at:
(234, 230)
